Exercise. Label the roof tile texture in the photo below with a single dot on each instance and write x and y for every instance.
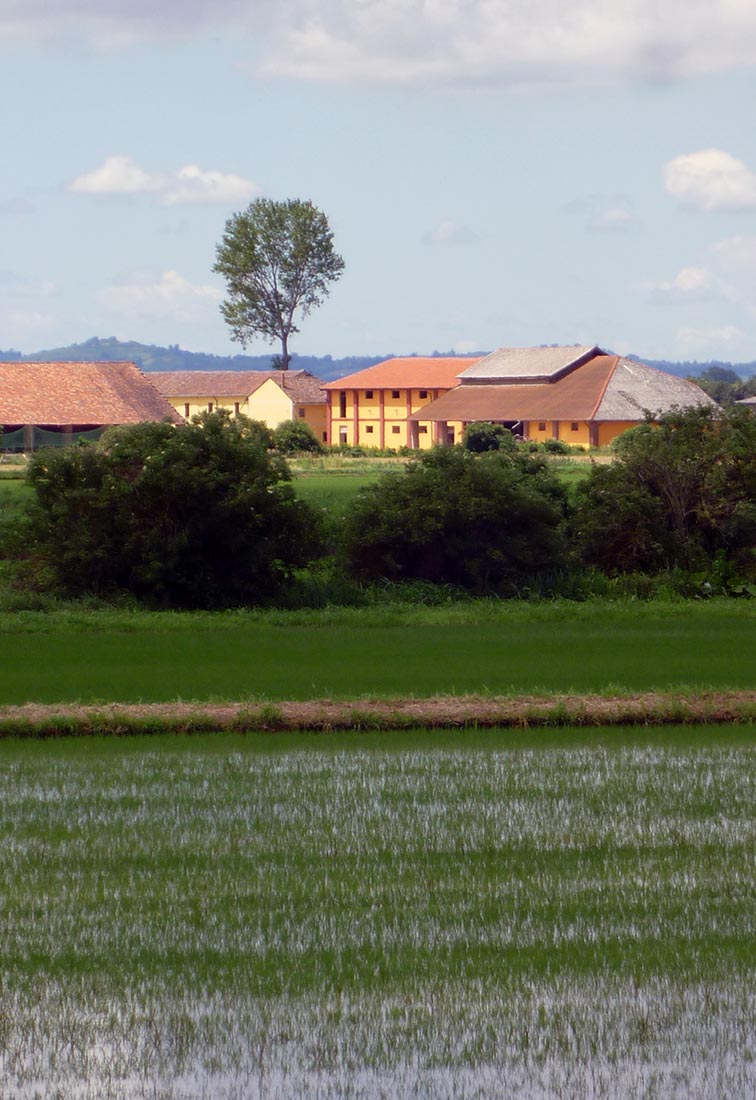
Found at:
(303, 388)
(62, 394)
(526, 364)
(412, 372)
(605, 388)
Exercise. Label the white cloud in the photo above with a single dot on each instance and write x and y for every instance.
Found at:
(166, 296)
(120, 175)
(480, 43)
(604, 213)
(711, 180)
(690, 283)
(612, 218)
(486, 43)
(735, 254)
(718, 342)
(449, 232)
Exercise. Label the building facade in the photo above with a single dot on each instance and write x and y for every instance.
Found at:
(270, 396)
(377, 407)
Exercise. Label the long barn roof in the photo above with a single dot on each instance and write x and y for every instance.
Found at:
(65, 393)
(605, 388)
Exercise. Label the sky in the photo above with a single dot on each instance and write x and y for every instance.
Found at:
(495, 172)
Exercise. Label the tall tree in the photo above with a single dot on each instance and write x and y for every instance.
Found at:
(278, 260)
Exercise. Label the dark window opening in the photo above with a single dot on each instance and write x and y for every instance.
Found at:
(342, 403)
(395, 393)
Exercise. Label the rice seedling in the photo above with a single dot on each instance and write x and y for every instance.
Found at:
(470, 915)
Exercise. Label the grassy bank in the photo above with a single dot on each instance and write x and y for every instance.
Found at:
(456, 916)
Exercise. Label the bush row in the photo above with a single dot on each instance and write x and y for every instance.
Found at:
(204, 515)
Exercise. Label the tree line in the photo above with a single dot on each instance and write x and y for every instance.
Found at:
(204, 515)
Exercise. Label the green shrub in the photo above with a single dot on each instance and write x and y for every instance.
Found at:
(194, 515)
(453, 518)
(678, 495)
(295, 437)
(484, 436)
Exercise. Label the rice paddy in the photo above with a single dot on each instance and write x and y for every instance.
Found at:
(561, 915)
(484, 647)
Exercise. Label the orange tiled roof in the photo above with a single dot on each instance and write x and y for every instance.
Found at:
(61, 394)
(300, 385)
(574, 397)
(412, 372)
(606, 388)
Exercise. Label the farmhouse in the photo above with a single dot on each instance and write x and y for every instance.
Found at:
(51, 404)
(270, 396)
(382, 406)
(580, 395)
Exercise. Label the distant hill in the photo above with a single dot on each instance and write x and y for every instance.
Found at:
(151, 357)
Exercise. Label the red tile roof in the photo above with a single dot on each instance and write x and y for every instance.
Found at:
(605, 388)
(61, 394)
(574, 397)
(301, 386)
(413, 372)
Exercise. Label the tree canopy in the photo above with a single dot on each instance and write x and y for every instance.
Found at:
(278, 261)
(194, 515)
(482, 522)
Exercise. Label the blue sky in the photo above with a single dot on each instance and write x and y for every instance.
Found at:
(496, 172)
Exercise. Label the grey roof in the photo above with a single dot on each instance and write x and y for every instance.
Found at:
(750, 401)
(634, 389)
(527, 364)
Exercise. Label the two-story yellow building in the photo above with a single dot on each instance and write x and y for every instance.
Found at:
(270, 396)
(373, 407)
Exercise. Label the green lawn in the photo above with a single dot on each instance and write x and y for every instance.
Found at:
(447, 916)
(489, 647)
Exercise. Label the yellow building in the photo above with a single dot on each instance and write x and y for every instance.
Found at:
(270, 396)
(580, 395)
(372, 408)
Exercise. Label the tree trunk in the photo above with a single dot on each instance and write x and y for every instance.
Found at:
(285, 357)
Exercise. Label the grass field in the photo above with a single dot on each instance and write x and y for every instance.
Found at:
(485, 647)
(562, 915)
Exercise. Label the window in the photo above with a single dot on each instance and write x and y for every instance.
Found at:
(574, 426)
(325, 437)
(422, 429)
(369, 429)
(541, 425)
(301, 414)
(236, 407)
(209, 406)
(186, 410)
(342, 435)
(423, 395)
(395, 394)
(369, 395)
(395, 429)
(342, 403)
